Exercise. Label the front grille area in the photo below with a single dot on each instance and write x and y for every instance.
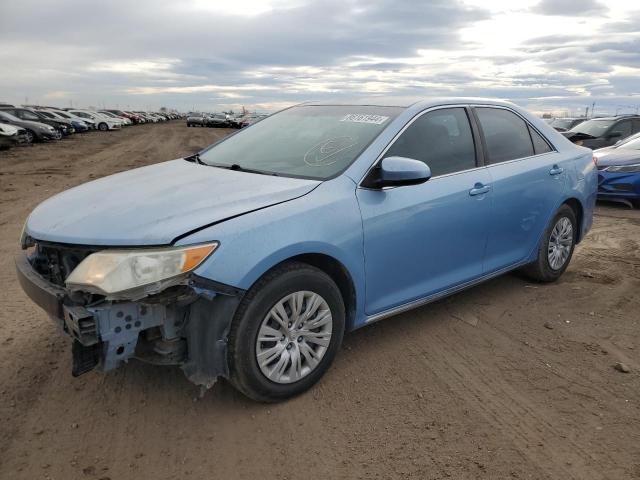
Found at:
(55, 262)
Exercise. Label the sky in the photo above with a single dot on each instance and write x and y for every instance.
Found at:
(556, 56)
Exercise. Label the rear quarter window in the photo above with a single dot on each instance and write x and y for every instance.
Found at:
(540, 145)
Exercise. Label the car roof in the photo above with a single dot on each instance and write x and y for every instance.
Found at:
(619, 117)
(405, 102)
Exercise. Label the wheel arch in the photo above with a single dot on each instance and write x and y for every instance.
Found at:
(338, 273)
(578, 209)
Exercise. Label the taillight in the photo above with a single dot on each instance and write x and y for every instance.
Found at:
(595, 160)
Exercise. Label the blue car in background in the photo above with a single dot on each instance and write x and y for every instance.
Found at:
(78, 125)
(252, 258)
(619, 171)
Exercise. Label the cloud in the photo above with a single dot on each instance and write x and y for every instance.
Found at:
(570, 8)
(207, 55)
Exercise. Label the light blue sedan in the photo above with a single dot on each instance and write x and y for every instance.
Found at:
(251, 259)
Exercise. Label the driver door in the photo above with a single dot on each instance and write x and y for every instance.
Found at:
(422, 239)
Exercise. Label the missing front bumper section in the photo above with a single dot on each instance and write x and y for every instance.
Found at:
(186, 325)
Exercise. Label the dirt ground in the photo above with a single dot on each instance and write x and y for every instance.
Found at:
(506, 380)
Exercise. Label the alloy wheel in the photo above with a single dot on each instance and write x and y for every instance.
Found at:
(293, 337)
(560, 243)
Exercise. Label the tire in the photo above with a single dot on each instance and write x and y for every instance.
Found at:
(30, 137)
(103, 127)
(57, 135)
(542, 270)
(254, 314)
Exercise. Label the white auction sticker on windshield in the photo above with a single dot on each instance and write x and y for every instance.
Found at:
(364, 118)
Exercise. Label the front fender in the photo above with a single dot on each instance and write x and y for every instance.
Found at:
(326, 221)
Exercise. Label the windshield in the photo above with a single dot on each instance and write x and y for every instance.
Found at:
(595, 128)
(315, 142)
(63, 115)
(562, 123)
(8, 116)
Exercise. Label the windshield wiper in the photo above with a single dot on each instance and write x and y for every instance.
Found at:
(240, 168)
(195, 158)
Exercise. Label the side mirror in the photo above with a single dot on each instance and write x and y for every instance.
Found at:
(397, 172)
(615, 134)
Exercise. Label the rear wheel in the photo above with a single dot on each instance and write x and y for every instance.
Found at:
(556, 248)
(57, 134)
(103, 127)
(286, 333)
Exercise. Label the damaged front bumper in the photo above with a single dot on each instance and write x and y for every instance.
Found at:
(185, 325)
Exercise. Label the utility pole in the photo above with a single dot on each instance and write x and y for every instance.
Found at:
(593, 109)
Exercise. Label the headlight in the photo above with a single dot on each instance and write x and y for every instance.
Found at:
(635, 168)
(25, 240)
(50, 128)
(114, 271)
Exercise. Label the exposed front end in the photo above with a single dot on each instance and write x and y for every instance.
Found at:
(167, 323)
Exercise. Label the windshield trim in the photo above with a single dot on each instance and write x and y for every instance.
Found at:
(306, 177)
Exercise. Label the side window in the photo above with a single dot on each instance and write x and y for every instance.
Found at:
(25, 115)
(505, 134)
(623, 127)
(442, 139)
(636, 125)
(540, 145)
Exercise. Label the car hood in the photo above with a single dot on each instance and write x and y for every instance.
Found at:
(618, 156)
(8, 129)
(156, 204)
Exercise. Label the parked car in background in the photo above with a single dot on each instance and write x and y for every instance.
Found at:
(235, 121)
(254, 267)
(124, 121)
(10, 135)
(90, 123)
(564, 124)
(217, 120)
(603, 132)
(120, 113)
(62, 127)
(251, 119)
(102, 122)
(197, 119)
(619, 171)
(78, 125)
(140, 118)
(148, 118)
(35, 131)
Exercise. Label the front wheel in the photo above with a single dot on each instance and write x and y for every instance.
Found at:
(29, 137)
(103, 127)
(556, 248)
(285, 333)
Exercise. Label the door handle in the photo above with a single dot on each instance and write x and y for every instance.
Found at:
(556, 170)
(479, 189)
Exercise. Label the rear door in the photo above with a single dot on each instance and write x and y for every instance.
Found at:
(421, 239)
(528, 179)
